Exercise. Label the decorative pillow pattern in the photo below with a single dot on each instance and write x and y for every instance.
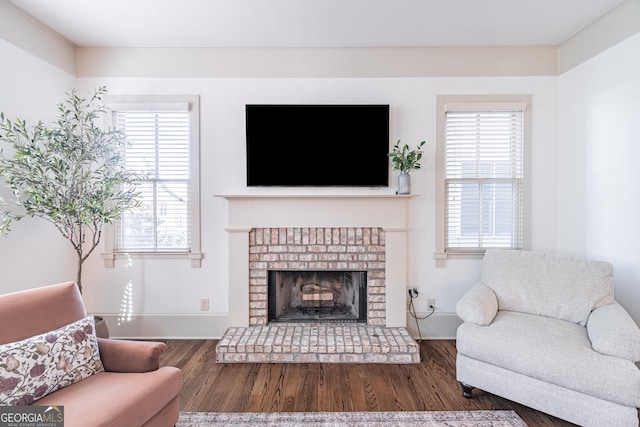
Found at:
(32, 368)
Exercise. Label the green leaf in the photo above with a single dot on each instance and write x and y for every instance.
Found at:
(404, 159)
(70, 174)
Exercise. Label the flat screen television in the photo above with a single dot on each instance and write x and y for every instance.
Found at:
(317, 145)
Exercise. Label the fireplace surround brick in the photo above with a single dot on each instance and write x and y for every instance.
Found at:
(335, 248)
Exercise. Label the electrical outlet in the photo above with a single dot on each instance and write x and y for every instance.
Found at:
(431, 303)
(204, 304)
(413, 292)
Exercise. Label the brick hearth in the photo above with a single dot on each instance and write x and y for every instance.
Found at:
(314, 343)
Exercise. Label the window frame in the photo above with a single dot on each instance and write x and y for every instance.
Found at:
(194, 253)
(477, 103)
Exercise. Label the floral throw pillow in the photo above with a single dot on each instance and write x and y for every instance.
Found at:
(32, 368)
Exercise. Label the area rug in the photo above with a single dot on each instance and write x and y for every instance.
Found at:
(353, 419)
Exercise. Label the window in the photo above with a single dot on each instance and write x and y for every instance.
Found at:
(163, 145)
(482, 154)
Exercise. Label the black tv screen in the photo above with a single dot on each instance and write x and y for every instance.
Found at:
(317, 145)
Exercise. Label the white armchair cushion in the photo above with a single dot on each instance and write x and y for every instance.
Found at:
(479, 305)
(551, 285)
(613, 332)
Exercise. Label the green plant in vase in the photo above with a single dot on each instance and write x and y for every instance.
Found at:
(405, 160)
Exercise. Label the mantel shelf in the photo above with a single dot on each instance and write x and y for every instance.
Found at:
(317, 196)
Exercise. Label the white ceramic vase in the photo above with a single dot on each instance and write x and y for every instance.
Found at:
(404, 183)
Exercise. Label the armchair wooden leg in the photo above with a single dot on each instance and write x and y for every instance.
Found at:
(466, 390)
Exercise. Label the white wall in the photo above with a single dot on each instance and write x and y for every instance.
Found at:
(34, 253)
(22, 30)
(599, 148)
(167, 293)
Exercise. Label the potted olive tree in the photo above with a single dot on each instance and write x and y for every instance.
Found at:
(70, 174)
(405, 160)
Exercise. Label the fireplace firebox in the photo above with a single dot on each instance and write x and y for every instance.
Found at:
(317, 296)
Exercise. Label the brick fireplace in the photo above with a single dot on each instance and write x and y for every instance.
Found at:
(365, 233)
(317, 249)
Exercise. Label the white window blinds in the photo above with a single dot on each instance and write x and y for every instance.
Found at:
(484, 176)
(159, 148)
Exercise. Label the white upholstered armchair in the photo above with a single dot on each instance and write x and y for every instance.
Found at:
(545, 331)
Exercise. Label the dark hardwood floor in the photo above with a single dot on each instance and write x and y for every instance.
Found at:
(428, 386)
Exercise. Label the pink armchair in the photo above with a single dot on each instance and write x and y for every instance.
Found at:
(131, 390)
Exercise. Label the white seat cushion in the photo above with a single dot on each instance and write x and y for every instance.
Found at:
(551, 350)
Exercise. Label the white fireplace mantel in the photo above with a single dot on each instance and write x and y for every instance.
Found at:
(387, 211)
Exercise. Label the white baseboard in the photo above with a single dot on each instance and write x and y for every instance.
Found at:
(168, 326)
(212, 326)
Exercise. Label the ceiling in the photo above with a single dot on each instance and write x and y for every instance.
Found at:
(315, 23)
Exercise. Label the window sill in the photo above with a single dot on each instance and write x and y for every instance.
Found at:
(442, 257)
(194, 257)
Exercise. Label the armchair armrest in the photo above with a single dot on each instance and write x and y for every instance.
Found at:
(479, 305)
(613, 332)
(130, 356)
